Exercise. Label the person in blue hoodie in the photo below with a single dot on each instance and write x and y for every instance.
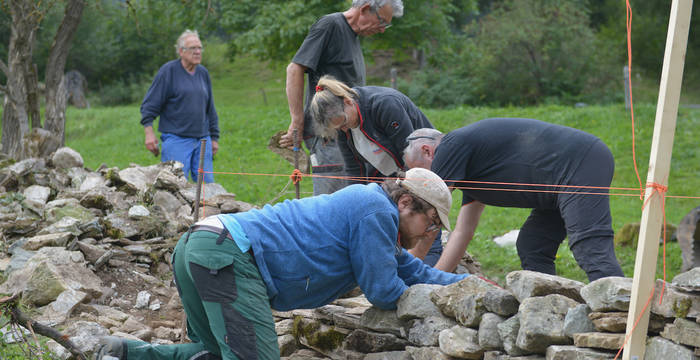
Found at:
(231, 269)
(181, 96)
(370, 124)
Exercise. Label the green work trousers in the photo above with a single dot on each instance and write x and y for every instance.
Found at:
(225, 299)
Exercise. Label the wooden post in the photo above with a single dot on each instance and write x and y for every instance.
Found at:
(659, 167)
(393, 74)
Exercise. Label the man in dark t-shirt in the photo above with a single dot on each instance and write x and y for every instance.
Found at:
(488, 158)
(332, 47)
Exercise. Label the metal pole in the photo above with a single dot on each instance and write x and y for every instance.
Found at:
(295, 134)
(200, 178)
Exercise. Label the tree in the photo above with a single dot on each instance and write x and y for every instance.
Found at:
(21, 103)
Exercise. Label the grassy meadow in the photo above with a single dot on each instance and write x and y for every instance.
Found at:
(251, 103)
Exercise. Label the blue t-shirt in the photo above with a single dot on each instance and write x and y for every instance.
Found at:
(183, 101)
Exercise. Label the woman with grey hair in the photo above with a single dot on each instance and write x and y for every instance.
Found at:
(371, 125)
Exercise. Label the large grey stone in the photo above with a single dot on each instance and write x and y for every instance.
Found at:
(427, 353)
(388, 355)
(501, 302)
(381, 320)
(425, 332)
(675, 302)
(683, 332)
(85, 335)
(469, 310)
(415, 302)
(689, 279)
(508, 331)
(489, 339)
(287, 344)
(65, 158)
(524, 284)
(58, 311)
(169, 202)
(36, 196)
(66, 225)
(135, 179)
(498, 355)
(688, 236)
(53, 239)
(92, 181)
(660, 348)
(368, 341)
(597, 340)
(570, 352)
(210, 190)
(450, 297)
(58, 209)
(461, 342)
(577, 321)
(51, 271)
(608, 294)
(617, 322)
(542, 322)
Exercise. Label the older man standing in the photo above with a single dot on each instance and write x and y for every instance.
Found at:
(332, 47)
(181, 95)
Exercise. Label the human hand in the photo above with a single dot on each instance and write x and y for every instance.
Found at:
(287, 140)
(151, 141)
(214, 147)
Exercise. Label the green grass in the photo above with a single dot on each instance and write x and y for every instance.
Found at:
(113, 136)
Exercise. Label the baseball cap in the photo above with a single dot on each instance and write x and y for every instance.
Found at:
(430, 187)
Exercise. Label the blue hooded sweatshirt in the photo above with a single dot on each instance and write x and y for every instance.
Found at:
(313, 250)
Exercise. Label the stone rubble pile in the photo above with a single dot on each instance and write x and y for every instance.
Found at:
(90, 250)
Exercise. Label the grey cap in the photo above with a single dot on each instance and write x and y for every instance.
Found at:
(430, 187)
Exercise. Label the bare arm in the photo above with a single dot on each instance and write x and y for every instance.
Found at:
(295, 98)
(467, 220)
(151, 140)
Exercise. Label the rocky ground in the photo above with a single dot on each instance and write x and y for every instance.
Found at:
(89, 251)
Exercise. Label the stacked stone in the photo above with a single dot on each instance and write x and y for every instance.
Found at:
(86, 245)
(537, 316)
(90, 252)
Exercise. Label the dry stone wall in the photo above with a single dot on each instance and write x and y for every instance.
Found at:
(90, 251)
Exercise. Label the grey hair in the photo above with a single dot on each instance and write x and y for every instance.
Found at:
(425, 136)
(375, 5)
(180, 43)
(327, 104)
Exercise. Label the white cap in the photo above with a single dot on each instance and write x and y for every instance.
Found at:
(430, 187)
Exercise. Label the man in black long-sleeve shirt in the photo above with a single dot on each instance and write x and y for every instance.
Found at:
(181, 95)
(527, 151)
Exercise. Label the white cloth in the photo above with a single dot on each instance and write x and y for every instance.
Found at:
(375, 155)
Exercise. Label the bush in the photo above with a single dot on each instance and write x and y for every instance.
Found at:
(123, 92)
(530, 51)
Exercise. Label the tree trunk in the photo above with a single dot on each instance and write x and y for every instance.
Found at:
(56, 95)
(15, 118)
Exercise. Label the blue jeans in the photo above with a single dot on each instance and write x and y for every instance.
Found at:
(186, 150)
